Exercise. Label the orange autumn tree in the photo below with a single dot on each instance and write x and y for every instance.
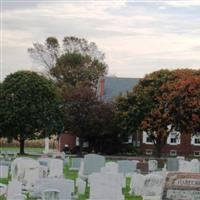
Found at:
(134, 110)
(162, 101)
(183, 103)
(178, 108)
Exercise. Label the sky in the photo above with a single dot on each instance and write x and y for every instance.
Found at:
(137, 36)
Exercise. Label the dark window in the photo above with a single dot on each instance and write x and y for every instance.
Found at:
(173, 140)
(197, 140)
(149, 139)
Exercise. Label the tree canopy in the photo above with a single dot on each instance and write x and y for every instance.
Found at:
(161, 102)
(73, 68)
(73, 52)
(29, 107)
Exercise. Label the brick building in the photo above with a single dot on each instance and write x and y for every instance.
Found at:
(108, 89)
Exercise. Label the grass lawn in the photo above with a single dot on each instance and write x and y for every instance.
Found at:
(27, 149)
(71, 174)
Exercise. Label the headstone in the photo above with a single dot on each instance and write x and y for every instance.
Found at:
(56, 168)
(137, 183)
(180, 157)
(51, 194)
(151, 198)
(4, 171)
(195, 166)
(19, 197)
(143, 167)
(153, 185)
(76, 163)
(150, 185)
(64, 186)
(93, 163)
(110, 167)
(153, 165)
(46, 148)
(14, 188)
(126, 166)
(81, 186)
(5, 163)
(25, 170)
(182, 186)
(184, 166)
(105, 186)
(172, 164)
(3, 189)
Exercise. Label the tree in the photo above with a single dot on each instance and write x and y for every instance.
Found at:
(182, 102)
(78, 106)
(103, 135)
(73, 68)
(76, 68)
(151, 108)
(48, 52)
(89, 119)
(29, 107)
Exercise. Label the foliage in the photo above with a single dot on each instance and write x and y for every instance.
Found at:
(73, 68)
(29, 107)
(159, 103)
(88, 118)
(75, 52)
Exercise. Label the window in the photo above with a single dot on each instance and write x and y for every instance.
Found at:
(197, 140)
(173, 140)
(149, 140)
(197, 153)
(173, 153)
(149, 152)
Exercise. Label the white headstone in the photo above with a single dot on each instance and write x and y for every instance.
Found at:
(195, 166)
(46, 148)
(3, 189)
(64, 186)
(25, 170)
(147, 185)
(56, 168)
(105, 186)
(153, 165)
(76, 163)
(4, 171)
(81, 186)
(51, 194)
(14, 188)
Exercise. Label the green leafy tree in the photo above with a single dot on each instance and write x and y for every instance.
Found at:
(75, 53)
(29, 107)
(74, 68)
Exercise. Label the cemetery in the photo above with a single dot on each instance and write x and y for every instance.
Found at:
(96, 102)
(55, 176)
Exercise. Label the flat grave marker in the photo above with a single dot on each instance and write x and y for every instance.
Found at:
(182, 186)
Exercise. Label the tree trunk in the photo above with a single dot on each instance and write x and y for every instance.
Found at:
(81, 147)
(158, 150)
(22, 142)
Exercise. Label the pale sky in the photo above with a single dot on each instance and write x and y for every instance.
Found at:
(137, 36)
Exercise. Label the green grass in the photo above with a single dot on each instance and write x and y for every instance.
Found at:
(27, 149)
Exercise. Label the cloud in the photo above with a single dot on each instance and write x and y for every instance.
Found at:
(136, 36)
(182, 3)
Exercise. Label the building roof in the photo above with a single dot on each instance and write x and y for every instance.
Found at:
(115, 86)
